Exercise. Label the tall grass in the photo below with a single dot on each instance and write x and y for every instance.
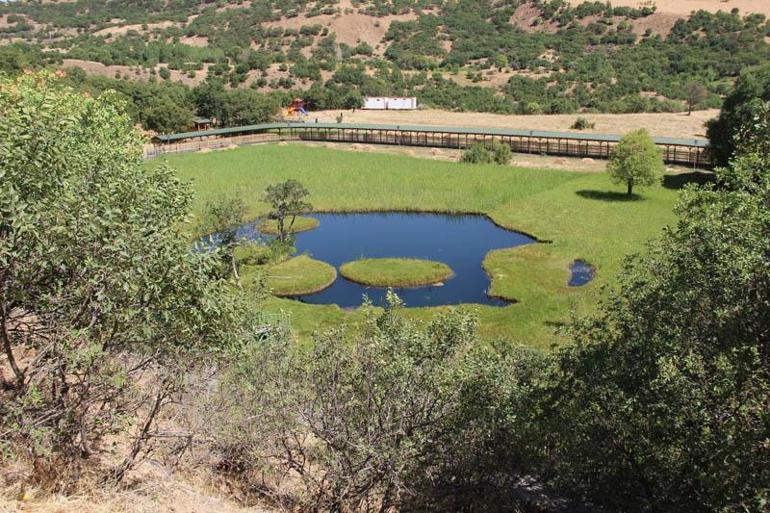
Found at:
(583, 215)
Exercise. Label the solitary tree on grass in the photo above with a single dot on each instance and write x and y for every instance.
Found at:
(287, 200)
(636, 161)
(696, 94)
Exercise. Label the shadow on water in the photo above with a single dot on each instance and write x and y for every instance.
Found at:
(608, 196)
(680, 180)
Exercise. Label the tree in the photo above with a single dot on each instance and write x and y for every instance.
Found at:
(696, 94)
(165, 116)
(287, 201)
(752, 89)
(501, 61)
(636, 161)
(97, 280)
(221, 221)
(661, 404)
(247, 107)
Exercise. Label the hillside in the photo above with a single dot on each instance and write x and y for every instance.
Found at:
(502, 56)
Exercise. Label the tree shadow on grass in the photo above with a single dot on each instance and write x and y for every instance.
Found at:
(613, 196)
(680, 180)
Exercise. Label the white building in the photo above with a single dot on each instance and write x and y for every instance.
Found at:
(389, 103)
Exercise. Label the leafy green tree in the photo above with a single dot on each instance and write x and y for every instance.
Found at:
(636, 161)
(221, 220)
(247, 107)
(287, 200)
(165, 116)
(661, 404)
(97, 280)
(501, 153)
(740, 108)
(501, 61)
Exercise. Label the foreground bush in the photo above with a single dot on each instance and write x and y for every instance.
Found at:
(661, 405)
(392, 417)
(103, 305)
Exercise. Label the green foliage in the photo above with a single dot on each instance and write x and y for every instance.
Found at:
(741, 107)
(385, 409)
(582, 123)
(662, 403)
(166, 117)
(287, 200)
(221, 219)
(495, 152)
(97, 279)
(636, 161)
(446, 37)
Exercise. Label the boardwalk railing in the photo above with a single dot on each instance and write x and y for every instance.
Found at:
(690, 152)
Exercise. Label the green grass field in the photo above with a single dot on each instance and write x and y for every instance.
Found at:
(582, 214)
(395, 272)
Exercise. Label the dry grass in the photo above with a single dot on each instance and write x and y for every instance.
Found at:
(157, 491)
(450, 155)
(685, 7)
(134, 72)
(664, 124)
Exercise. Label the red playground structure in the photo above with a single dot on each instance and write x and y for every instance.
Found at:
(296, 108)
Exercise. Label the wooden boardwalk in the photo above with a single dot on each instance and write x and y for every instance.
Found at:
(689, 152)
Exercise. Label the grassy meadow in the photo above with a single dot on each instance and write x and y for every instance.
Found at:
(580, 215)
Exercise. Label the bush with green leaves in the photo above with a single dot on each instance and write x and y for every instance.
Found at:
(390, 416)
(495, 152)
(103, 302)
(741, 107)
(636, 161)
(661, 404)
(582, 123)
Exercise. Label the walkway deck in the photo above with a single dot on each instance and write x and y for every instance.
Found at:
(690, 152)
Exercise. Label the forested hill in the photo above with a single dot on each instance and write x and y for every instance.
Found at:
(510, 56)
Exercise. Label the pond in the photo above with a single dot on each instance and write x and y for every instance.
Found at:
(461, 242)
(581, 273)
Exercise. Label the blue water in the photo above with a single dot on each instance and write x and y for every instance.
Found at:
(461, 242)
(582, 273)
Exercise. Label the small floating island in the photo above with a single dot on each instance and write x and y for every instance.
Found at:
(299, 276)
(396, 272)
(301, 224)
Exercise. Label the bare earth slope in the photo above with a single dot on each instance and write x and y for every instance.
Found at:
(685, 7)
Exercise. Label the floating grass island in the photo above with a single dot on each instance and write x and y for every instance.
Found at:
(301, 224)
(299, 276)
(396, 272)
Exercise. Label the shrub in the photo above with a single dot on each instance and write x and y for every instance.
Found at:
(582, 123)
(396, 415)
(495, 152)
(97, 281)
